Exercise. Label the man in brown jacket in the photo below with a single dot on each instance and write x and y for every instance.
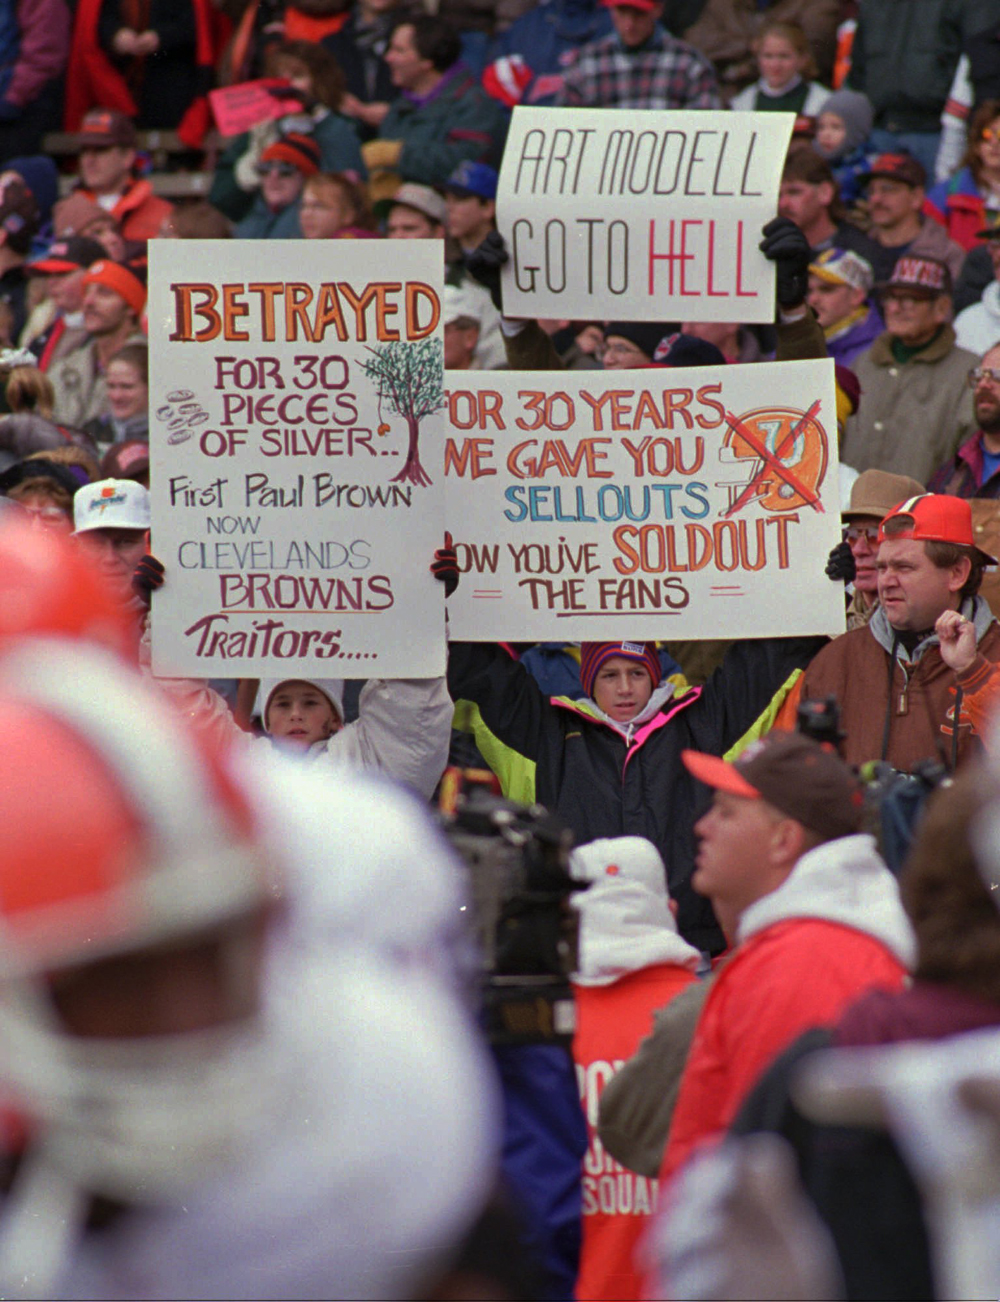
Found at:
(896, 694)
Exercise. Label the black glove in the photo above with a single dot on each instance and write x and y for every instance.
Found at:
(786, 246)
(484, 262)
(444, 566)
(840, 564)
(147, 576)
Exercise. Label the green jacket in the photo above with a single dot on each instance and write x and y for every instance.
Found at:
(458, 120)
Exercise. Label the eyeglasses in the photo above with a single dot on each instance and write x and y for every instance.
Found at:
(855, 532)
(980, 373)
(282, 169)
(620, 348)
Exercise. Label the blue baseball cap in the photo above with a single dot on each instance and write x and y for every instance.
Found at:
(473, 178)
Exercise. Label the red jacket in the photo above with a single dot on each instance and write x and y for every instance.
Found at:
(139, 211)
(833, 930)
(617, 1203)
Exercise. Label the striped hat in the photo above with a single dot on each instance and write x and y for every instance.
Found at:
(595, 654)
(296, 148)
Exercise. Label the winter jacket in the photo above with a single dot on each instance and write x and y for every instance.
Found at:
(962, 475)
(977, 328)
(844, 345)
(608, 779)
(913, 414)
(34, 44)
(904, 61)
(854, 1175)
(913, 722)
(726, 29)
(401, 732)
(547, 38)
(957, 205)
(138, 211)
(833, 929)
(263, 223)
(457, 120)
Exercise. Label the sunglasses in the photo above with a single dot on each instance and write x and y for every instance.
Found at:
(281, 169)
(980, 373)
(854, 532)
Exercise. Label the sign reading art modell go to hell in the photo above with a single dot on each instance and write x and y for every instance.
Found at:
(633, 215)
(643, 504)
(296, 426)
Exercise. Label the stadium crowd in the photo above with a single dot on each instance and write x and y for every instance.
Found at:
(237, 1057)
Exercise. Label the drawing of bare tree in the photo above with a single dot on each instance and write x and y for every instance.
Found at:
(410, 378)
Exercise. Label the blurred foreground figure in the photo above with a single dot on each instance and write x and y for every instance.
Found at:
(212, 1074)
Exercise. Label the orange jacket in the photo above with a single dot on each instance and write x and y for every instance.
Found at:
(798, 973)
(139, 211)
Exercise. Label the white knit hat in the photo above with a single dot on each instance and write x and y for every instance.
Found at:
(332, 689)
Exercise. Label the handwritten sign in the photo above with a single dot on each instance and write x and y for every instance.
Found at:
(635, 215)
(296, 426)
(646, 504)
(238, 108)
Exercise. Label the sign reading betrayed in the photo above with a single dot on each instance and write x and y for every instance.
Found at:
(295, 432)
(654, 503)
(632, 215)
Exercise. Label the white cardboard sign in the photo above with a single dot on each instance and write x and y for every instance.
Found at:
(656, 503)
(631, 215)
(295, 437)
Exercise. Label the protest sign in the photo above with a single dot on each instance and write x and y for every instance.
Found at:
(643, 504)
(238, 108)
(630, 215)
(294, 416)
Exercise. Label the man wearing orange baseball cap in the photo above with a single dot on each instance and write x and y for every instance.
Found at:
(114, 298)
(895, 692)
(814, 913)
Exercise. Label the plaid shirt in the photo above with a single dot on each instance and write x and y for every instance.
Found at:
(662, 74)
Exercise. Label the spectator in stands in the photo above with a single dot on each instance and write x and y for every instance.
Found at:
(153, 62)
(873, 495)
(30, 428)
(440, 115)
(107, 145)
(18, 225)
(917, 406)
(417, 213)
(127, 381)
(974, 471)
(128, 460)
(333, 207)
(810, 197)
(470, 196)
(735, 342)
(113, 302)
(461, 317)
(962, 202)
(639, 66)
(34, 46)
(45, 491)
(894, 189)
(196, 221)
(903, 58)
(284, 167)
(787, 76)
(359, 48)
(313, 78)
(893, 688)
(840, 285)
(725, 31)
(78, 215)
(977, 78)
(111, 523)
(977, 326)
(819, 920)
(842, 130)
(56, 327)
(528, 62)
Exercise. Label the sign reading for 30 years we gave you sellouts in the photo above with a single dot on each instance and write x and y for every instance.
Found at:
(296, 430)
(644, 504)
(625, 215)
